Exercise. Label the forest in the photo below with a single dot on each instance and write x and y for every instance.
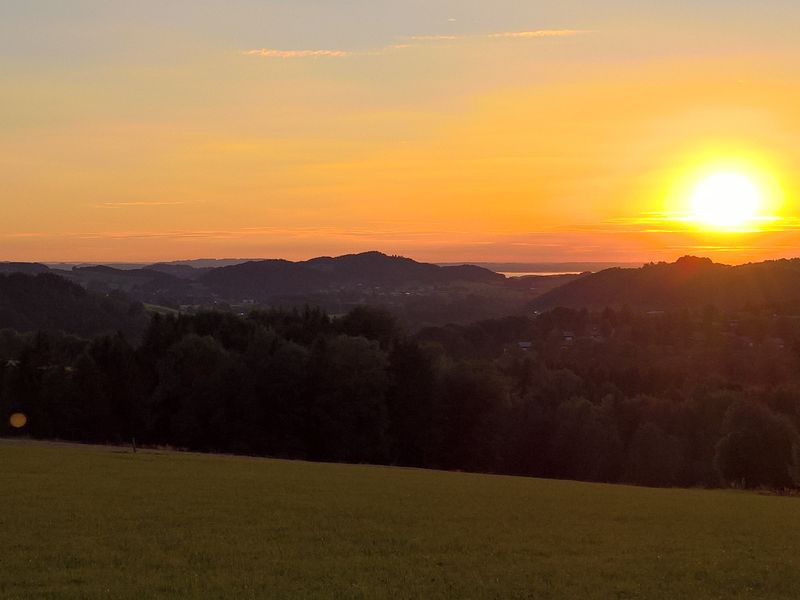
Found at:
(685, 398)
(46, 301)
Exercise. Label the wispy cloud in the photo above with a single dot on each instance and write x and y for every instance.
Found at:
(677, 222)
(540, 33)
(136, 204)
(411, 42)
(270, 53)
(435, 38)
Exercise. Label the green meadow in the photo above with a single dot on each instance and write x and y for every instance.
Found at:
(97, 522)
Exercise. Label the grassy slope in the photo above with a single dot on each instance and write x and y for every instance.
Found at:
(88, 522)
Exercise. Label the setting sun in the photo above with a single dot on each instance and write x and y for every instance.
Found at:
(726, 201)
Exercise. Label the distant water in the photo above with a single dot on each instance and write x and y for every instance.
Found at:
(538, 273)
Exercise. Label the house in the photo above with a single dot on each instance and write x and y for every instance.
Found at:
(597, 336)
(567, 338)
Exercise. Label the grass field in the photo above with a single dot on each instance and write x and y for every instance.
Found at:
(93, 522)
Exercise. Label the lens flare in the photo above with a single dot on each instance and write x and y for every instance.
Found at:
(18, 420)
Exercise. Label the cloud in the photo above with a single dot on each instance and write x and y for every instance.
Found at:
(541, 33)
(437, 38)
(270, 53)
(140, 203)
(415, 40)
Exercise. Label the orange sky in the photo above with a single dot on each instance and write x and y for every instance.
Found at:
(130, 135)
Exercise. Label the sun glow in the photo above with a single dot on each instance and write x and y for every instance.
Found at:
(726, 200)
(718, 190)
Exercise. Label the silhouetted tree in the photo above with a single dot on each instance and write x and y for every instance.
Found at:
(468, 412)
(653, 457)
(658, 399)
(411, 400)
(347, 416)
(376, 324)
(195, 386)
(758, 448)
(586, 443)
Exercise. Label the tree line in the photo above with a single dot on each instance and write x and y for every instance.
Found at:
(47, 301)
(668, 399)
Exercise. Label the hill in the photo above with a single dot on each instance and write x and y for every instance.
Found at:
(262, 279)
(420, 294)
(690, 282)
(233, 280)
(146, 284)
(27, 268)
(549, 267)
(93, 522)
(50, 302)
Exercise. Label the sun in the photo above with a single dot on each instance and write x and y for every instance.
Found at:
(726, 200)
(724, 189)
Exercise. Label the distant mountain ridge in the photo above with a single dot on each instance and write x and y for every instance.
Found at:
(690, 282)
(367, 267)
(315, 280)
(22, 267)
(548, 267)
(420, 294)
(377, 277)
(196, 263)
(260, 278)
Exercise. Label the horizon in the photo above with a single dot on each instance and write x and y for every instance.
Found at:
(499, 265)
(504, 132)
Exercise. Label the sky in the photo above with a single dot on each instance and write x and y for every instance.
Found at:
(444, 130)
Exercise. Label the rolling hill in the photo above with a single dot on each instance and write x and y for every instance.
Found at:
(20, 267)
(261, 279)
(49, 302)
(690, 282)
